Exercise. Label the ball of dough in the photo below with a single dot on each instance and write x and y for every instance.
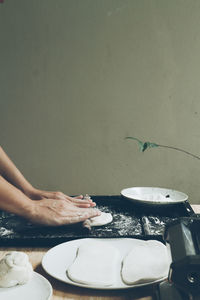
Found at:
(15, 268)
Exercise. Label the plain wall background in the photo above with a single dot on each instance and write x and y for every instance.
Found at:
(78, 76)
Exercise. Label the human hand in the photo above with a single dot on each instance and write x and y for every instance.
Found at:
(79, 201)
(56, 213)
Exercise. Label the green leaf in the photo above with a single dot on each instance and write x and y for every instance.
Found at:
(143, 145)
(150, 145)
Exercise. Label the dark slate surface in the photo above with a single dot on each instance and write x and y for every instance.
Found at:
(129, 220)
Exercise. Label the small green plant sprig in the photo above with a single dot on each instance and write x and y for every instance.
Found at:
(143, 146)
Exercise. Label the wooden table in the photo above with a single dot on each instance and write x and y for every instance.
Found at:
(65, 291)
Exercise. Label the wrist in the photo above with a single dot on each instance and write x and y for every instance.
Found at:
(29, 210)
(31, 192)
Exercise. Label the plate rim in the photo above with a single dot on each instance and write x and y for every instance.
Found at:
(47, 282)
(151, 201)
(68, 281)
(41, 277)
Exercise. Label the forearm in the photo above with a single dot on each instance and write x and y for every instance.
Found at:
(13, 200)
(10, 172)
(46, 211)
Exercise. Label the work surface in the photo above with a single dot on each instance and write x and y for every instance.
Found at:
(64, 291)
(130, 220)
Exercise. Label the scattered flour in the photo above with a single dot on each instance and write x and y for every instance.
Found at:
(4, 231)
(123, 224)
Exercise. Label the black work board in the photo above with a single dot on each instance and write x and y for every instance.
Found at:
(130, 220)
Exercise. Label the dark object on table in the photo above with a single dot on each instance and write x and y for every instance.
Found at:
(129, 221)
(183, 282)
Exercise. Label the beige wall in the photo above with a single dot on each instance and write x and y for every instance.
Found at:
(77, 76)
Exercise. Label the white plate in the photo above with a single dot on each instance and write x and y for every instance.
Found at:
(37, 288)
(58, 259)
(154, 195)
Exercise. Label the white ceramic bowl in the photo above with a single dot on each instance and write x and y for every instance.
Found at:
(154, 195)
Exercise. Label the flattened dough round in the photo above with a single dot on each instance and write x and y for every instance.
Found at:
(103, 219)
(148, 261)
(96, 264)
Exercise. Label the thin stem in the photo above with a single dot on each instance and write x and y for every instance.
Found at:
(181, 150)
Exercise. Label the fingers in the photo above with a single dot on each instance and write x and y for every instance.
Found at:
(78, 201)
(62, 196)
(54, 195)
(79, 197)
(59, 196)
(83, 203)
(53, 212)
(81, 216)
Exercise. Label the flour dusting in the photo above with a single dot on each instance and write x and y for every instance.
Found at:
(4, 231)
(123, 224)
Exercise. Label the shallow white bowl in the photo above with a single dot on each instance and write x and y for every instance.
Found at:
(154, 195)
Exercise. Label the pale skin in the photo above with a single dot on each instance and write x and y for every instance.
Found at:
(18, 196)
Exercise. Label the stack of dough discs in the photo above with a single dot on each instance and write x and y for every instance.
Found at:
(147, 262)
(96, 264)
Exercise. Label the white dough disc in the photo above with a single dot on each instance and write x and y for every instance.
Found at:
(96, 264)
(147, 262)
(103, 219)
